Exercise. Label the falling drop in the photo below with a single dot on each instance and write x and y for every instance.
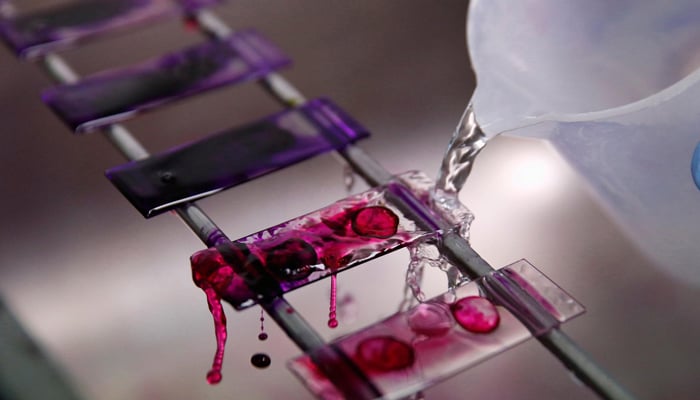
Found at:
(332, 321)
(260, 360)
(262, 335)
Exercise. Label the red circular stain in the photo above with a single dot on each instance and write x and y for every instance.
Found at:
(384, 354)
(375, 221)
(476, 314)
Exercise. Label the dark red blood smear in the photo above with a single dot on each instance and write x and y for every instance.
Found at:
(260, 360)
(384, 354)
(291, 260)
(375, 221)
(476, 314)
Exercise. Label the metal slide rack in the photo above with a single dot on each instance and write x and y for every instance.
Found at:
(263, 65)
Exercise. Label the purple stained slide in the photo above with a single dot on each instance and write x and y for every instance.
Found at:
(112, 96)
(436, 339)
(220, 161)
(54, 28)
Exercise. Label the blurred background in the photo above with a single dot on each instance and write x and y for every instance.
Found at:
(108, 294)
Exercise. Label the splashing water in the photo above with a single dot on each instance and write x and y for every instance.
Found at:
(466, 143)
(425, 254)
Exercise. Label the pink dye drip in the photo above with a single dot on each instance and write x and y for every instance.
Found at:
(212, 275)
(262, 335)
(332, 321)
(217, 311)
(476, 314)
(384, 354)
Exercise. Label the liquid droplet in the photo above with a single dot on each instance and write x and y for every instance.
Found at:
(262, 336)
(213, 377)
(375, 221)
(332, 321)
(430, 319)
(384, 353)
(476, 314)
(260, 360)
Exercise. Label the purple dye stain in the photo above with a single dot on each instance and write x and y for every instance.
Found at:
(476, 314)
(430, 319)
(384, 354)
(376, 221)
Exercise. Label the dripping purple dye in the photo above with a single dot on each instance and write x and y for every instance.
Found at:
(332, 321)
